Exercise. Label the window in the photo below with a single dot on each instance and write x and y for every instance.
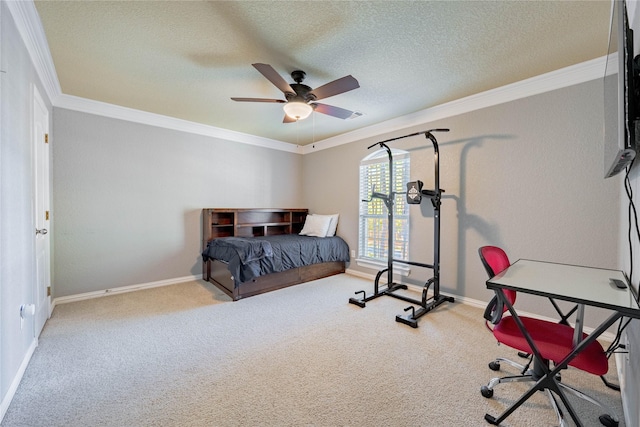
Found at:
(373, 229)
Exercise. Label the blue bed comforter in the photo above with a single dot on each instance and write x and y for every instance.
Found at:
(251, 257)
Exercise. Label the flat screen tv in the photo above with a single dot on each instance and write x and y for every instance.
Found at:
(620, 99)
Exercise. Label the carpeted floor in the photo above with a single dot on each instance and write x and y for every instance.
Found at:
(185, 355)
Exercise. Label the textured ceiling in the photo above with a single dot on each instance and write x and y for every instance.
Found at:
(185, 59)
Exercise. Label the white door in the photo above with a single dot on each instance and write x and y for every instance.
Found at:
(41, 211)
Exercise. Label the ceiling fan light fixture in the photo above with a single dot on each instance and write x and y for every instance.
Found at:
(298, 110)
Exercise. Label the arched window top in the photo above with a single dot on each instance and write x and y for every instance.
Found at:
(381, 154)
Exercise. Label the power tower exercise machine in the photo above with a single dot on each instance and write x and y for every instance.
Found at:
(414, 195)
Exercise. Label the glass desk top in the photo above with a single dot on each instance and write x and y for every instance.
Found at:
(584, 285)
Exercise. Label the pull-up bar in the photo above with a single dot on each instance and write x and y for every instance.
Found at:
(424, 132)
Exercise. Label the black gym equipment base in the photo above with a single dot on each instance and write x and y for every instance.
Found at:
(426, 304)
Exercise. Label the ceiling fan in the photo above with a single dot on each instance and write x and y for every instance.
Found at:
(300, 98)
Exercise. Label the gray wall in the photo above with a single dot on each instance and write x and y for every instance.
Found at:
(127, 197)
(17, 265)
(524, 175)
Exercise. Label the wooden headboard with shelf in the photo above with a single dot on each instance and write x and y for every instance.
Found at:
(250, 222)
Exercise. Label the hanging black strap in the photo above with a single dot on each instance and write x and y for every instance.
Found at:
(495, 309)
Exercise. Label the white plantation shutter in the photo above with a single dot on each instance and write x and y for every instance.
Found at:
(373, 227)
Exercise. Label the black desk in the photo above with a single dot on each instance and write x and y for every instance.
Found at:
(581, 285)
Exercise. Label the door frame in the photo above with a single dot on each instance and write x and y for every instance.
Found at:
(41, 210)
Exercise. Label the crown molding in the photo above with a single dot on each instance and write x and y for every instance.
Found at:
(565, 77)
(29, 25)
(129, 114)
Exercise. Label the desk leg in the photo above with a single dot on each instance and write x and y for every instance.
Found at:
(577, 331)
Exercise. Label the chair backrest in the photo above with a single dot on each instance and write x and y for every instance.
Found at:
(495, 260)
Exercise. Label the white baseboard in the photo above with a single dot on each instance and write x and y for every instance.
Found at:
(417, 288)
(6, 400)
(360, 274)
(123, 289)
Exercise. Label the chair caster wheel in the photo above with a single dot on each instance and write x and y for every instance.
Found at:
(494, 366)
(487, 392)
(608, 421)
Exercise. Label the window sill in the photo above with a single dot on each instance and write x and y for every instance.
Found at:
(401, 269)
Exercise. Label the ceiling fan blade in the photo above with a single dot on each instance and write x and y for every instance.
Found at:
(258, 100)
(288, 119)
(275, 78)
(336, 87)
(330, 110)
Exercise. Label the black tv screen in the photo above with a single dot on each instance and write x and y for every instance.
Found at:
(620, 103)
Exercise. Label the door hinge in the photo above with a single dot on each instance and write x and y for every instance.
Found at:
(46, 215)
(46, 138)
(48, 291)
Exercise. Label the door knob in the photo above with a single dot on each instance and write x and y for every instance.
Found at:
(42, 231)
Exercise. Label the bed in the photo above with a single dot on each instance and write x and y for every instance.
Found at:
(247, 252)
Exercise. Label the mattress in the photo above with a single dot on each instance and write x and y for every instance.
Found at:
(251, 257)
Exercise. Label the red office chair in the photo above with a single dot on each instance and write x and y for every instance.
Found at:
(553, 340)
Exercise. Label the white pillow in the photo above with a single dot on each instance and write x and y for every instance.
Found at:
(316, 225)
(333, 226)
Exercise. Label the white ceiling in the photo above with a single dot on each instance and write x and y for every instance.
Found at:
(185, 59)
